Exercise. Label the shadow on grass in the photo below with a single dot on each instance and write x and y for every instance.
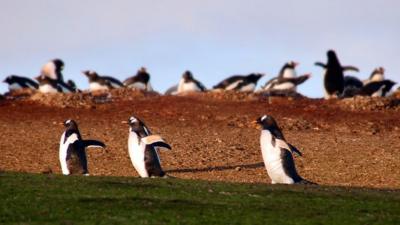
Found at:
(216, 168)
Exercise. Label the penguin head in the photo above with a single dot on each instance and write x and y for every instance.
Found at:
(90, 74)
(266, 122)
(9, 79)
(70, 124)
(291, 64)
(137, 125)
(187, 76)
(59, 65)
(254, 77)
(377, 74)
(332, 58)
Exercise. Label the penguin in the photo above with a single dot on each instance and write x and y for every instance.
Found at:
(142, 147)
(334, 78)
(53, 69)
(277, 153)
(98, 83)
(17, 82)
(352, 86)
(72, 152)
(239, 83)
(378, 74)
(377, 88)
(287, 79)
(189, 84)
(140, 81)
(48, 85)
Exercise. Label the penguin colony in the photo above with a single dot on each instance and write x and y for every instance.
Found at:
(143, 146)
(336, 83)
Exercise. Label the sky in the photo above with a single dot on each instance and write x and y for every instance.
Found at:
(214, 39)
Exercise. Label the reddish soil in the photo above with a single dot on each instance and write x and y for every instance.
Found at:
(354, 142)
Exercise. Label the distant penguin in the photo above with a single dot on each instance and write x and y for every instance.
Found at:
(72, 153)
(98, 83)
(189, 84)
(277, 153)
(142, 147)
(53, 69)
(334, 78)
(48, 85)
(352, 86)
(239, 83)
(141, 81)
(377, 74)
(287, 80)
(377, 88)
(17, 82)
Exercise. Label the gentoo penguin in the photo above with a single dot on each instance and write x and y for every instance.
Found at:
(377, 74)
(287, 79)
(377, 88)
(352, 86)
(239, 83)
(277, 153)
(189, 84)
(97, 82)
(334, 78)
(48, 85)
(17, 82)
(72, 153)
(142, 147)
(140, 81)
(53, 69)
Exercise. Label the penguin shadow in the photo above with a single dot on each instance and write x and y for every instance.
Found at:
(216, 168)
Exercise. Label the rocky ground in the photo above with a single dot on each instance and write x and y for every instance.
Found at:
(351, 142)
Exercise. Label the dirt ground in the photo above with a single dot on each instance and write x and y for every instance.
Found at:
(352, 142)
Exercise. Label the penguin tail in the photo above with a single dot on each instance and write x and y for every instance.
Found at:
(306, 182)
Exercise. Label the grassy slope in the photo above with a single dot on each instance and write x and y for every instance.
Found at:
(55, 199)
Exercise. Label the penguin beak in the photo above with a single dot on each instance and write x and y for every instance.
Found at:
(124, 122)
(296, 64)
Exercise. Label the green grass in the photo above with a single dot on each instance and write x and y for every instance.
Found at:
(55, 199)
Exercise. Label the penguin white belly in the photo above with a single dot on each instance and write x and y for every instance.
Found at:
(63, 151)
(378, 93)
(14, 86)
(188, 87)
(94, 86)
(233, 85)
(138, 86)
(273, 161)
(248, 88)
(47, 88)
(289, 73)
(284, 86)
(136, 153)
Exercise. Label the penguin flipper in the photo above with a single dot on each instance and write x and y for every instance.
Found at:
(352, 68)
(93, 144)
(295, 150)
(283, 145)
(161, 144)
(155, 141)
(320, 64)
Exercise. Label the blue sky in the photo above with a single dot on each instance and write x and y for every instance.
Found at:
(213, 39)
